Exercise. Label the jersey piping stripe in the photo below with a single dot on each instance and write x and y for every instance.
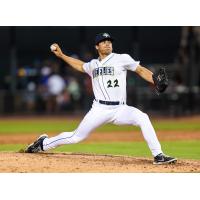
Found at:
(100, 85)
(105, 88)
(102, 76)
(61, 139)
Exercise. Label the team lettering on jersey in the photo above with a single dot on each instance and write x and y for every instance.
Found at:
(100, 71)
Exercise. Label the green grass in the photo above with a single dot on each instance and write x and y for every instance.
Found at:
(179, 149)
(35, 126)
(11, 147)
(42, 125)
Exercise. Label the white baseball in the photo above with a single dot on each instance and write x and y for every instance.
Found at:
(53, 47)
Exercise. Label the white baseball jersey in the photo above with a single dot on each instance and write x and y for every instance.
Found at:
(109, 76)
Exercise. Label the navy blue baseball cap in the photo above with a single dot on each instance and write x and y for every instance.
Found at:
(103, 36)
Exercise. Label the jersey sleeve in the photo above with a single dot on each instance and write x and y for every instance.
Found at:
(87, 68)
(129, 62)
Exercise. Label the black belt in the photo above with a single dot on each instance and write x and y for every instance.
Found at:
(110, 102)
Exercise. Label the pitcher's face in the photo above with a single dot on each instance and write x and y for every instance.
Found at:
(104, 47)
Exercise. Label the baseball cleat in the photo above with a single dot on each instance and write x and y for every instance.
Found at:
(36, 146)
(161, 159)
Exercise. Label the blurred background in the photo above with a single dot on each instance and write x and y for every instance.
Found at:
(34, 82)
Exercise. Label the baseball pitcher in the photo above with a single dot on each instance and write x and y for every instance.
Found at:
(108, 75)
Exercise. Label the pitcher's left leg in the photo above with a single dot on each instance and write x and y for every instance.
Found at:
(133, 116)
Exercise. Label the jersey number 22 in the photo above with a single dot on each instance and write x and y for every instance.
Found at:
(109, 83)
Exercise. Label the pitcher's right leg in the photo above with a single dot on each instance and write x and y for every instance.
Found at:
(94, 118)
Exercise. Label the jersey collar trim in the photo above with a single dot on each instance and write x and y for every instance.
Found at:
(106, 58)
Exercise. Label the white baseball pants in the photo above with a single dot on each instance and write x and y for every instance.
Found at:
(101, 114)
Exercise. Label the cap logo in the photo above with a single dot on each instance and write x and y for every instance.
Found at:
(106, 35)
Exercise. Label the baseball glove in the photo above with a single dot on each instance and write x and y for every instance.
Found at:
(160, 80)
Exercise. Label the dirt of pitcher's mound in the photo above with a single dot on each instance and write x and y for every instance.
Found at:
(63, 162)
